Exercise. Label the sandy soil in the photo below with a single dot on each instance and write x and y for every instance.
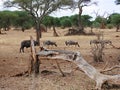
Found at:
(12, 62)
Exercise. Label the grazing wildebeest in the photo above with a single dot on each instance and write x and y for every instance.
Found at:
(26, 43)
(70, 42)
(48, 43)
(102, 42)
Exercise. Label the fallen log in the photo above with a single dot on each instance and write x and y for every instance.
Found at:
(88, 69)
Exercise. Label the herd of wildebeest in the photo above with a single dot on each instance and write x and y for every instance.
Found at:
(27, 43)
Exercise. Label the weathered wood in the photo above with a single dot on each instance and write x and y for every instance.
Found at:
(33, 52)
(42, 53)
(60, 68)
(109, 69)
(88, 69)
(34, 60)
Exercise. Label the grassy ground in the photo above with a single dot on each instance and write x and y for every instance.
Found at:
(12, 62)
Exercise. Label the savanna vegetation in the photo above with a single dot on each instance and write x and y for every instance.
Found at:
(23, 21)
(101, 53)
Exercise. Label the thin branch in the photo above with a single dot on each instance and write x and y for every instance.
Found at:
(60, 68)
(109, 69)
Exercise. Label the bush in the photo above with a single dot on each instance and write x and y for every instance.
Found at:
(66, 23)
(109, 26)
(96, 24)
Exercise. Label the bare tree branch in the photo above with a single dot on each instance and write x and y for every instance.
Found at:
(88, 69)
(109, 69)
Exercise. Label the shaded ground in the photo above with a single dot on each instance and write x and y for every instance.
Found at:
(12, 62)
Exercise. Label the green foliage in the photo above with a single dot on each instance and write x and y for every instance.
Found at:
(74, 19)
(16, 19)
(23, 20)
(86, 20)
(6, 19)
(115, 18)
(110, 26)
(65, 22)
(48, 21)
(57, 22)
(100, 19)
(96, 24)
(100, 22)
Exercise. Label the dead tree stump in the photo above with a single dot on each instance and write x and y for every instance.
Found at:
(98, 47)
(34, 60)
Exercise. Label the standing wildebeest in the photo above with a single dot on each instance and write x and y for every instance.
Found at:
(101, 42)
(70, 42)
(27, 44)
(48, 43)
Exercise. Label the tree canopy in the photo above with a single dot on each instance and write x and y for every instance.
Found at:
(117, 2)
(38, 9)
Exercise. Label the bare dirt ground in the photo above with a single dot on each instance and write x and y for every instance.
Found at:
(12, 62)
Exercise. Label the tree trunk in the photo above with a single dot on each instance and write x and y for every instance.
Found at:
(38, 33)
(34, 60)
(55, 34)
(81, 29)
(117, 27)
(102, 25)
(23, 29)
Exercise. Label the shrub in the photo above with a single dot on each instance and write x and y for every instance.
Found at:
(109, 26)
(96, 24)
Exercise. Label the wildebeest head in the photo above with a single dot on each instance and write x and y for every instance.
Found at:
(36, 43)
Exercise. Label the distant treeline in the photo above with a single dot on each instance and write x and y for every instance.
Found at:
(23, 20)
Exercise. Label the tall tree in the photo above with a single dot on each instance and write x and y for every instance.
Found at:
(115, 20)
(80, 4)
(38, 9)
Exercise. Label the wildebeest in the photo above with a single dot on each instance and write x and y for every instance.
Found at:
(26, 43)
(70, 42)
(48, 43)
(101, 42)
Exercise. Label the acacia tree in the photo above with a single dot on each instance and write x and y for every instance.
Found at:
(23, 20)
(6, 18)
(80, 4)
(38, 9)
(49, 21)
(115, 20)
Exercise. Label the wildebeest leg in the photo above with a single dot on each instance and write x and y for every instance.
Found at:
(78, 45)
(22, 49)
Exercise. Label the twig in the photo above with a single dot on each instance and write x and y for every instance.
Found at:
(109, 69)
(60, 68)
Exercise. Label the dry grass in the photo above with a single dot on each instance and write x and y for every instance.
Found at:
(13, 62)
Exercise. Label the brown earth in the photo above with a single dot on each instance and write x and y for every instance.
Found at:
(12, 62)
